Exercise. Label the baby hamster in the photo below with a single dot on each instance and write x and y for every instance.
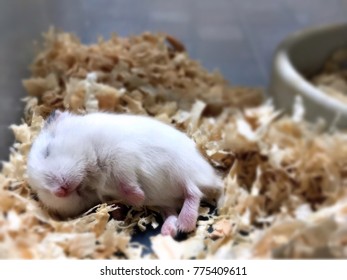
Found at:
(79, 161)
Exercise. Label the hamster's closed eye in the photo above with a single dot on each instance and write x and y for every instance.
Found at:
(52, 117)
(46, 152)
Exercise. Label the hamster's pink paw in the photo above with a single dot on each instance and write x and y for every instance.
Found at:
(188, 216)
(170, 222)
(169, 229)
(133, 195)
(187, 221)
(136, 198)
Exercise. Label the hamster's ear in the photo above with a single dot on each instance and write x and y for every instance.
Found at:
(54, 117)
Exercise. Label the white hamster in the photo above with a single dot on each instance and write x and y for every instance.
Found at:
(79, 161)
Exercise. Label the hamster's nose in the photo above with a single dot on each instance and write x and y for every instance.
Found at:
(62, 191)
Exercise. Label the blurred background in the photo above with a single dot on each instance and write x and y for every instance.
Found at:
(238, 37)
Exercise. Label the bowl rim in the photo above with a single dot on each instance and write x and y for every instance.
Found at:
(285, 68)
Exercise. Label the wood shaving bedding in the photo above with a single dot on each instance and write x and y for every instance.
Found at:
(284, 179)
(332, 79)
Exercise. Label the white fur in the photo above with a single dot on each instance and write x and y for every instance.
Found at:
(98, 150)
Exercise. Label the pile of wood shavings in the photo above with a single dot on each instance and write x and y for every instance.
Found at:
(285, 181)
(332, 79)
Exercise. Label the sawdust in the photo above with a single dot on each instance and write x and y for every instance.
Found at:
(332, 79)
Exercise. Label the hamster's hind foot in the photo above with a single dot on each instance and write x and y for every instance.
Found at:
(170, 222)
(132, 194)
(188, 216)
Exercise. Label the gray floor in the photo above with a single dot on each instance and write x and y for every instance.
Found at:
(236, 36)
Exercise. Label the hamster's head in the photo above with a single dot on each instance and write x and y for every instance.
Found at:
(59, 163)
